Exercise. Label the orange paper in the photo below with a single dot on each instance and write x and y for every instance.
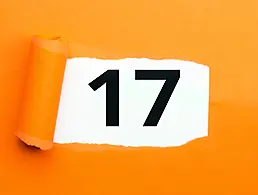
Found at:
(42, 90)
(220, 34)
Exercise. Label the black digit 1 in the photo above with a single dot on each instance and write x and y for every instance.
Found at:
(111, 79)
(172, 78)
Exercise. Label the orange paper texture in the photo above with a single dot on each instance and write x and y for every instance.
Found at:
(220, 34)
(42, 90)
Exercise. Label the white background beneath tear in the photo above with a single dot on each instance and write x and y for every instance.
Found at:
(81, 116)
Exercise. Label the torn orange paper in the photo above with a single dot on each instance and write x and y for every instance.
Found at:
(42, 92)
(221, 34)
(46, 68)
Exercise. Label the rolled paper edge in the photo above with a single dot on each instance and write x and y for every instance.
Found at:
(33, 141)
(55, 45)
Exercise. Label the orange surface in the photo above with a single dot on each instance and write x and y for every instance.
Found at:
(41, 92)
(221, 34)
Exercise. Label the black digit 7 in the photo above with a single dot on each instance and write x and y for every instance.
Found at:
(111, 78)
(172, 78)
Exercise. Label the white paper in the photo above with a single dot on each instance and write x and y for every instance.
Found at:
(82, 111)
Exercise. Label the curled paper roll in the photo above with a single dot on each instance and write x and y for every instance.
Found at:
(44, 78)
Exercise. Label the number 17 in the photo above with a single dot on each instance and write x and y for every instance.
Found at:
(111, 78)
